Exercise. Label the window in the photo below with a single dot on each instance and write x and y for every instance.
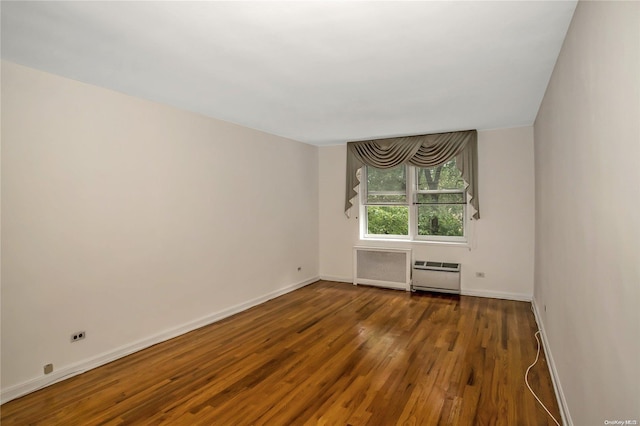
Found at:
(414, 203)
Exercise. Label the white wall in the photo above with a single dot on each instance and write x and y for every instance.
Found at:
(135, 221)
(587, 269)
(502, 240)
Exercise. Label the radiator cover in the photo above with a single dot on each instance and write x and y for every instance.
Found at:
(382, 267)
(436, 276)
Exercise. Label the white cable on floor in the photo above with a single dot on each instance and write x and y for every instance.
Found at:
(526, 379)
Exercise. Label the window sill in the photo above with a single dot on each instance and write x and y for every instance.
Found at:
(409, 243)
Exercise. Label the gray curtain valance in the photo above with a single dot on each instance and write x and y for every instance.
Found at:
(420, 151)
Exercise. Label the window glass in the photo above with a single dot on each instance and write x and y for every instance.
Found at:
(445, 176)
(441, 220)
(388, 220)
(387, 185)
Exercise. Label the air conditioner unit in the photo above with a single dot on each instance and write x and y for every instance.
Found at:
(436, 276)
(383, 267)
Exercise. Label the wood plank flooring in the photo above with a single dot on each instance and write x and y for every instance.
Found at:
(327, 354)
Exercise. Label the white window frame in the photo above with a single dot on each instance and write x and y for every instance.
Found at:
(411, 191)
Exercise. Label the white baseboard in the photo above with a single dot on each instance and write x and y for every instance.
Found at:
(464, 292)
(337, 279)
(562, 402)
(497, 295)
(80, 367)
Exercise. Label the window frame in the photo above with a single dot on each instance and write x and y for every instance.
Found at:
(411, 193)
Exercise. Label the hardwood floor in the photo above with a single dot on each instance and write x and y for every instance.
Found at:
(329, 353)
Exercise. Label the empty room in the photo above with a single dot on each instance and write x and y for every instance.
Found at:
(320, 213)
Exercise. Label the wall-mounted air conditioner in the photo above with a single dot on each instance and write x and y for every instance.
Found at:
(436, 276)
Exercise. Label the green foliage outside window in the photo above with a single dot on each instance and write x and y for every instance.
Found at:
(443, 220)
(388, 220)
(387, 185)
(445, 176)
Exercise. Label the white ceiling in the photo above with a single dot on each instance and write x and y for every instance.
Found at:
(318, 72)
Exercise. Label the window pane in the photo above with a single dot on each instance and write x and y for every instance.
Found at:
(442, 198)
(388, 220)
(386, 185)
(445, 176)
(443, 219)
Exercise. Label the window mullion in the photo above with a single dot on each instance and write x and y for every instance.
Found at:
(364, 191)
(363, 201)
(412, 186)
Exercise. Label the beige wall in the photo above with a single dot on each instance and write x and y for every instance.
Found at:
(133, 221)
(587, 269)
(502, 240)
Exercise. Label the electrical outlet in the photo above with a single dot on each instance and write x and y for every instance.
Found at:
(480, 274)
(78, 336)
(48, 369)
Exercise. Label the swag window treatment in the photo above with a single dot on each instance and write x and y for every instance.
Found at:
(420, 151)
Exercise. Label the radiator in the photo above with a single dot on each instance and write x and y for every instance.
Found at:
(436, 276)
(382, 267)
